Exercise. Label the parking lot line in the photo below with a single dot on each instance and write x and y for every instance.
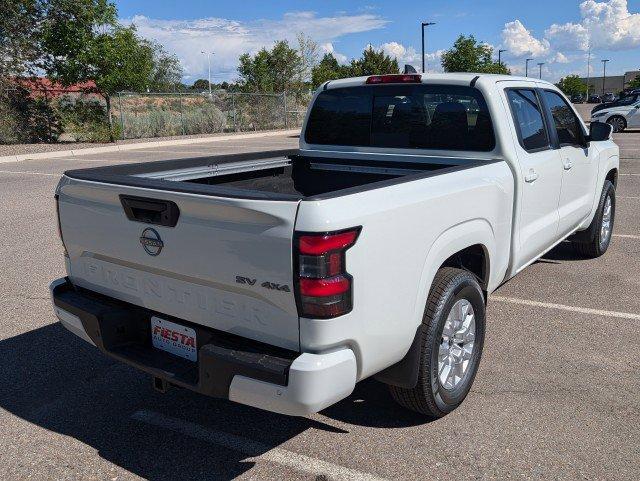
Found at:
(627, 236)
(562, 307)
(253, 449)
(29, 173)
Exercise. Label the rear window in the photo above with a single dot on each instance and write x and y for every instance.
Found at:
(402, 116)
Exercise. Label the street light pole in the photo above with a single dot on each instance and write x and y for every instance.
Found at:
(500, 55)
(589, 71)
(424, 24)
(208, 54)
(526, 67)
(604, 73)
(540, 64)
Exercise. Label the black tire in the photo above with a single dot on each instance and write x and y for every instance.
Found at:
(589, 243)
(618, 123)
(429, 396)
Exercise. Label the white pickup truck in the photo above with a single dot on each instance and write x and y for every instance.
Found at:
(281, 279)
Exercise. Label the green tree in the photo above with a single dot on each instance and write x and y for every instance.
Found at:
(83, 41)
(166, 72)
(276, 70)
(200, 85)
(308, 51)
(572, 85)
(19, 36)
(373, 62)
(115, 61)
(635, 83)
(467, 55)
(327, 69)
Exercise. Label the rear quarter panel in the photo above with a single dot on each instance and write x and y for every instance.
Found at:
(408, 231)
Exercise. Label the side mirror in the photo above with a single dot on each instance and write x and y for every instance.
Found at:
(599, 131)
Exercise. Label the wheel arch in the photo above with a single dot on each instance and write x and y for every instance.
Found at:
(612, 176)
(468, 246)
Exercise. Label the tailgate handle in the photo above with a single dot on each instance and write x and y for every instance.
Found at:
(150, 211)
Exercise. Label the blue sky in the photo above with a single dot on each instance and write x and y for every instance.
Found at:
(556, 32)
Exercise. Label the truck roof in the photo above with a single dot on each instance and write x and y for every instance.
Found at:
(458, 78)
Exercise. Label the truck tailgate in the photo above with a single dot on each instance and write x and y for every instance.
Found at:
(226, 264)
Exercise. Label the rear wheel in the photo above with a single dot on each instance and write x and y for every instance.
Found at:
(618, 123)
(451, 345)
(596, 239)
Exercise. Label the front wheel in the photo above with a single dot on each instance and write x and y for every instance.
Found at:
(451, 345)
(596, 239)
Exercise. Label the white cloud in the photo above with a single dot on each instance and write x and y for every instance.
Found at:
(569, 36)
(610, 24)
(409, 55)
(603, 25)
(559, 57)
(520, 42)
(606, 24)
(329, 48)
(229, 39)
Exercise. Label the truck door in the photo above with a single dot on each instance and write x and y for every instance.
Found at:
(541, 175)
(579, 172)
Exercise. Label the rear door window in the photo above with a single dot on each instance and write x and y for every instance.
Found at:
(528, 118)
(404, 116)
(566, 122)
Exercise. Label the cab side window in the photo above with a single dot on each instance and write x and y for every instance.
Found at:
(528, 119)
(565, 120)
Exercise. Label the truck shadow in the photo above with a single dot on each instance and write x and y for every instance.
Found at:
(56, 381)
(562, 252)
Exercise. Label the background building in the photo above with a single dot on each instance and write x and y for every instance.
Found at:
(613, 83)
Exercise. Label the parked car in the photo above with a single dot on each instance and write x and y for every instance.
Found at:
(281, 279)
(577, 98)
(621, 114)
(609, 97)
(595, 99)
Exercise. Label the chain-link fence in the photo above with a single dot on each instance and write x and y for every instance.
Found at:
(171, 114)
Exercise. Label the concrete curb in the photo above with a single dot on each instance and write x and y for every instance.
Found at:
(142, 145)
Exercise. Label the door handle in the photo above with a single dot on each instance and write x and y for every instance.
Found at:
(531, 176)
(567, 164)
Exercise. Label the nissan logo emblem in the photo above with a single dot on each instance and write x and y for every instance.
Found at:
(151, 241)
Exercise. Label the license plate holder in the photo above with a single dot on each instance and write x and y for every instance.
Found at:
(174, 338)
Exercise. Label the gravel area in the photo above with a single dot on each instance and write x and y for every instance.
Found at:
(19, 149)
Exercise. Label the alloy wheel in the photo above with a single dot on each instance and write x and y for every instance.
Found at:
(457, 343)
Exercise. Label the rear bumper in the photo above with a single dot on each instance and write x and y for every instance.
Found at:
(228, 366)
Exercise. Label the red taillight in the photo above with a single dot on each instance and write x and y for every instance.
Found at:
(324, 287)
(323, 243)
(395, 79)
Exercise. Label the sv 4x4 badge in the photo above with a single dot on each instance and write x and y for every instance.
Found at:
(267, 285)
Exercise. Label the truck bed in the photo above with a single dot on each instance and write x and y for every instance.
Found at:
(209, 241)
(278, 175)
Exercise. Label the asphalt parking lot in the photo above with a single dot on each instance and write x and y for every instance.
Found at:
(557, 395)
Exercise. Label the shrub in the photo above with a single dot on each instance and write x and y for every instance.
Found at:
(8, 124)
(84, 120)
(28, 119)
